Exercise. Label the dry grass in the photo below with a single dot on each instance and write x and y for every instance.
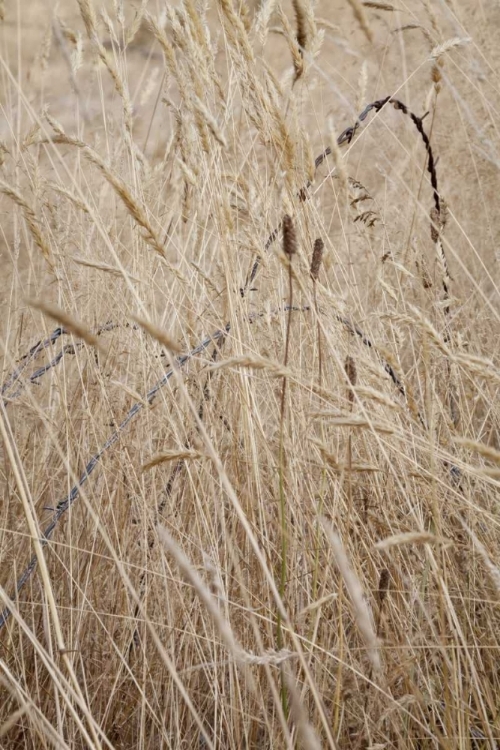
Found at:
(250, 483)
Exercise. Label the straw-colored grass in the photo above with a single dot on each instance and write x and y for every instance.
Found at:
(249, 421)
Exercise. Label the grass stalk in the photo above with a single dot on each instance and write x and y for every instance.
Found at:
(289, 248)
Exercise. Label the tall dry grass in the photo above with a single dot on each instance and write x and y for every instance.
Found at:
(250, 473)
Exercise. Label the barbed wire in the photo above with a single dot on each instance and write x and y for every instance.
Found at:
(65, 503)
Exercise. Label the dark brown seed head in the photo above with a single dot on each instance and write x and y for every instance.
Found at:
(435, 224)
(350, 368)
(317, 257)
(289, 236)
(352, 375)
(383, 585)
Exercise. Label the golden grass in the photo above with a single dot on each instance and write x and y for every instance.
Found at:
(269, 518)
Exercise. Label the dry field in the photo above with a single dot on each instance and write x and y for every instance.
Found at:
(250, 498)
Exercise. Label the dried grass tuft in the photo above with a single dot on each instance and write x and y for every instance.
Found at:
(31, 220)
(362, 613)
(158, 333)
(442, 49)
(360, 16)
(66, 320)
(167, 456)
(371, 400)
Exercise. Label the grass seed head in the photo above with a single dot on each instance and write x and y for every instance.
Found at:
(352, 375)
(383, 586)
(317, 258)
(289, 236)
